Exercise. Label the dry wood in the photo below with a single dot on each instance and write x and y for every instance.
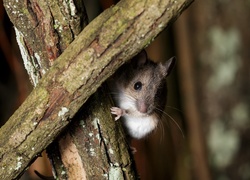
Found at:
(104, 45)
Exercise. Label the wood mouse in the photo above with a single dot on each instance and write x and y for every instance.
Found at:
(139, 91)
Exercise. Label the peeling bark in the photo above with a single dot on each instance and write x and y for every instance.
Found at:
(101, 148)
(44, 29)
(104, 45)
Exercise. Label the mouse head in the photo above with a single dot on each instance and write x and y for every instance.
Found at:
(141, 60)
(144, 81)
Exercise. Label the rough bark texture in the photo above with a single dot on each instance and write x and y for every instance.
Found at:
(102, 150)
(44, 29)
(54, 25)
(96, 53)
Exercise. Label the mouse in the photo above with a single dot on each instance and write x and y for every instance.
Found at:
(139, 92)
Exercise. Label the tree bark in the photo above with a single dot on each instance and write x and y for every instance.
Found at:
(95, 54)
(54, 25)
(93, 147)
(44, 29)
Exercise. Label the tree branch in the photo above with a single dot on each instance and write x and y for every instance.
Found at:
(104, 45)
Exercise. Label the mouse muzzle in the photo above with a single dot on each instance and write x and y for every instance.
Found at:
(143, 107)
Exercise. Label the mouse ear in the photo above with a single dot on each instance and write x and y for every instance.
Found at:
(140, 59)
(169, 65)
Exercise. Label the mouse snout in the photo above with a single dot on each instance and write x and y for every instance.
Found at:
(142, 106)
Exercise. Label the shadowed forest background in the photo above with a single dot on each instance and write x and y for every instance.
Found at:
(208, 93)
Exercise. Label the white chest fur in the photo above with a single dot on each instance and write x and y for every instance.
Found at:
(138, 127)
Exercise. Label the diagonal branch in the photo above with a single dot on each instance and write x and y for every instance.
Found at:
(104, 45)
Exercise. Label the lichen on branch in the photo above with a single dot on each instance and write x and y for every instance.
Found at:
(101, 48)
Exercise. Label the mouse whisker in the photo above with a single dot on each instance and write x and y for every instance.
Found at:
(171, 107)
(124, 97)
(117, 95)
(173, 120)
(136, 87)
(129, 98)
(162, 129)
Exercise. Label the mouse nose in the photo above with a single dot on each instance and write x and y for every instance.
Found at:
(142, 106)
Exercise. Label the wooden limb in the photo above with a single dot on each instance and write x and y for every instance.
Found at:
(104, 45)
(99, 153)
(44, 29)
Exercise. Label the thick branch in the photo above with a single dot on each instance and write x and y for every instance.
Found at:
(44, 29)
(98, 152)
(104, 45)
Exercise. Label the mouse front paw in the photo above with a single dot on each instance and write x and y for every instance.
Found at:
(118, 112)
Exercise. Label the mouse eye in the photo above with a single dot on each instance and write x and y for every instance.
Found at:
(138, 85)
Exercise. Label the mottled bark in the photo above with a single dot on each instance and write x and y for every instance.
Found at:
(53, 26)
(100, 152)
(44, 29)
(104, 45)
